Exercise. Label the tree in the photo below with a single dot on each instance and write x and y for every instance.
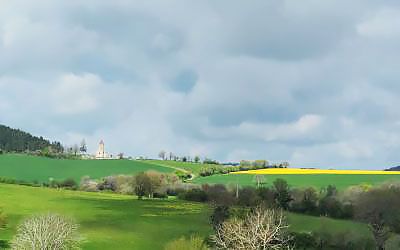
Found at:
(379, 207)
(162, 154)
(142, 185)
(259, 180)
(282, 193)
(75, 149)
(83, 147)
(219, 216)
(260, 229)
(197, 159)
(47, 231)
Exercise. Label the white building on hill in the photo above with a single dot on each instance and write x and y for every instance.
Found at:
(101, 153)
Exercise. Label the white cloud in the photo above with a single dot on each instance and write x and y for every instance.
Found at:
(75, 94)
(315, 83)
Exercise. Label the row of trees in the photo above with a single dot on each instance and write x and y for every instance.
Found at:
(163, 155)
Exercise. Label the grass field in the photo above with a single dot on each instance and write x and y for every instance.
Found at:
(33, 168)
(314, 180)
(187, 166)
(110, 221)
(300, 171)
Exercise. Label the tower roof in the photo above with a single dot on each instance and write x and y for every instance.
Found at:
(101, 142)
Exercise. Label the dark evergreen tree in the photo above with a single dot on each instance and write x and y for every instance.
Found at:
(15, 140)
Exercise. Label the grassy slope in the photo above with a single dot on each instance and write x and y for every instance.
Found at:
(317, 181)
(188, 166)
(32, 168)
(110, 221)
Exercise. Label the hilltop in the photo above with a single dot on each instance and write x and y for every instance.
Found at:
(15, 140)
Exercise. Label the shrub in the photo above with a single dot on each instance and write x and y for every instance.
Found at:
(193, 243)
(69, 184)
(195, 194)
(48, 231)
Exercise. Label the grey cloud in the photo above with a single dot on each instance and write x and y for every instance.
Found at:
(223, 79)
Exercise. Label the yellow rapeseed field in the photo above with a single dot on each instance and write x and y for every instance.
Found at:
(297, 171)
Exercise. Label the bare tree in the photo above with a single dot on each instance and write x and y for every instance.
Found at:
(48, 231)
(83, 147)
(260, 229)
(162, 154)
(75, 149)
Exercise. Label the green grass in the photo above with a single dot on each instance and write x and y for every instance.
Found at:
(188, 166)
(317, 181)
(33, 168)
(110, 221)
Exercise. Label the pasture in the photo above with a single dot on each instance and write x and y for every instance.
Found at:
(33, 168)
(300, 180)
(110, 221)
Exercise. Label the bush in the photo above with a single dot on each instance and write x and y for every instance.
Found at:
(69, 184)
(193, 243)
(194, 195)
(48, 231)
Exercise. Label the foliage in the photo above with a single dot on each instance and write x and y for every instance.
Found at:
(379, 207)
(282, 193)
(219, 216)
(15, 140)
(47, 231)
(193, 243)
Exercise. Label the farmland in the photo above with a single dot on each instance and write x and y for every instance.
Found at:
(33, 168)
(111, 221)
(303, 180)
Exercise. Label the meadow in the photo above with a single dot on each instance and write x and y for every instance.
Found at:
(111, 221)
(34, 168)
(301, 180)
(41, 169)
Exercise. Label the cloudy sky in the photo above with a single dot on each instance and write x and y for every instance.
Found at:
(313, 82)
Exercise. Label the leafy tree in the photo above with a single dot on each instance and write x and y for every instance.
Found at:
(282, 193)
(15, 140)
(379, 207)
(219, 215)
(142, 185)
(197, 159)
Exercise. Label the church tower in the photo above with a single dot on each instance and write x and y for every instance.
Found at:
(101, 154)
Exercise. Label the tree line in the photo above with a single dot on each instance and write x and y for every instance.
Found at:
(15, 140)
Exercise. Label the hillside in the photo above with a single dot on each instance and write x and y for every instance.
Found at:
(34, 168)
(15, 140)
(110, 221)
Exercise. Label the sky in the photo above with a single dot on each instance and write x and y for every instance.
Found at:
(312, 82)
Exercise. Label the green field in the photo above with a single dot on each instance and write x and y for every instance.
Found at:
(187, 166)
(314, 180)
(110, 221)
(33, 168)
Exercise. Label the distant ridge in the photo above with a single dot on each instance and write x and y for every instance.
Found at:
(393, 169)
(15, 140)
